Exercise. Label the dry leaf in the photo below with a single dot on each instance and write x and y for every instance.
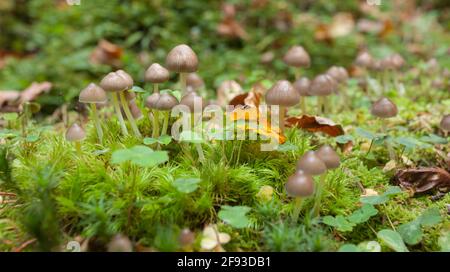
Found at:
(106, 53)
(228, 90)
(341, 25)
(421, 180)
(315, 124)
(390, 165)
(347, 147)
(8, 97)
(34, 91)
(12, 101)
(229, 27)
(369, 192)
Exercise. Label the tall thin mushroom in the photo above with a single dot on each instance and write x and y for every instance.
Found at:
(384, 108)
(283, 94)
(297, 57)
(92, 95)
(299, 185)
(183, 60)
(76, 134)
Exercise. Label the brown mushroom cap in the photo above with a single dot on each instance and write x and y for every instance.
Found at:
(156, 74)
(75, 133)
(186, 237)
(338, 73)
(282, 93)
(166, 102)
(267, 57)
(311, 164)
(182, 59)
(92, 94)
(297, 56)
(384, 108)
(194, 81)
(445, 123)
(302, 86)
(150, 101)
(191, 100)
(364, 60)
(127, 78)
(117, 81)
(397, 61)
(322, 85)
(327, 154)
(120, 243)
(300, 185)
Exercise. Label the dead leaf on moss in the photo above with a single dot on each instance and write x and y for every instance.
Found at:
(315, 124)
(8, 97)
(229, 27)
(341, 25)
(34, 91)
(12, 101)
(369, 192)
(421, 180)
(106, 53)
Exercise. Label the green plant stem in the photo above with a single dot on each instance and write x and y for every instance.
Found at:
(318, 199)
(183, 82)
(155, 88)
(388, 218)
(281, 115)
(78, 148)
(130, 117)
(98, 127)
(297, 73)
(199, 149)
(303, 104)
(165, 122)
(297, 209)
(119, 114)
(155, 124)
(239, 152)
(319, 105)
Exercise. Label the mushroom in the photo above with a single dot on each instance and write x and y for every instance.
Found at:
(283, 94)
(364, 60)
(322, 86)
(445, 124)
(297, 57)
(327, 154)
(150, 103)
(384, 108)
(227, 90)
(182, 59)
(156, 74)
(340, 75)
(302, 86)
(135, 110)
(186, 238)
(194, 82)
(93, 94)
(299, 185)
(120, 243)
(165, 103)
(311, 164)
(76, 134)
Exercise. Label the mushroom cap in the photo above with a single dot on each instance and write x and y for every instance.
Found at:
(364, 59)
(302, 86)
(311, 164)
(445, 123)
(193, 101)
(156, 74)
(182, 59)
(384, 108)
(297, 56)
(150, 101)
(229, 87)
(129, 80)
(75, 133)
(340, 74)
(387, 63)
(116, 81)
(166, 102)
(300, 185)
(282, 93)
(186, 237)
(327, 154)
(397, 61)
(194, 81)
(322, 85)
(93, 94)
(377, 65)
(120, 243)
(267, 57)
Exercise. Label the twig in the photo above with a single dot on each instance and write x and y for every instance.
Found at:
(24, 245)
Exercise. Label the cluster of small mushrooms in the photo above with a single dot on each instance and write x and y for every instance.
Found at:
(301, 183)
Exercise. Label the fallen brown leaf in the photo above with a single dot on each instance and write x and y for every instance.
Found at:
(227, 90)
(12, 101)
(106, 53)
(8, 97)
(34, 91)
(421, 180)
(315, 124)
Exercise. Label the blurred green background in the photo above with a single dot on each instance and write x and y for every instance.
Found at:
(50, 40)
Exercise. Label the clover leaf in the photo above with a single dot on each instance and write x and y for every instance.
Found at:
(186, 185)
(236, 216)
(139, 155)
(392, 239)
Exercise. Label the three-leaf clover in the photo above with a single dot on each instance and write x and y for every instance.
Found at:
(139, 155)
(236, 216)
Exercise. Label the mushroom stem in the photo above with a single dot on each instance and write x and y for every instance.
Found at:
(183, 82)
(155, 124)
(119, 114)
(303, 104)
(297, 73)
(155, 88)
(130, 117)
(165, 123)
(98, 127)
(391, 151)
(281, 115)
(319, 105)
(318, 200)
(199, 149)
(78, 147)
(297, 209)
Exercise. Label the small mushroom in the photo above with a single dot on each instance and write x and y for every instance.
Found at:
(156, 74)
(327, 154)
(150, 103)
(322, 86)
(135, 111)
(364, 60)
(445, 124)
(193, 101)
(299, 185)
(186, 238)
(76, 134)
(297, 57)
(311, 164)
(227, 90)
(165, 103)
(182, 59)
(384, 108)
(302, 86)
(194, 82)
(338, 73)
(93, 94)
(120, 243)
(283, 94)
